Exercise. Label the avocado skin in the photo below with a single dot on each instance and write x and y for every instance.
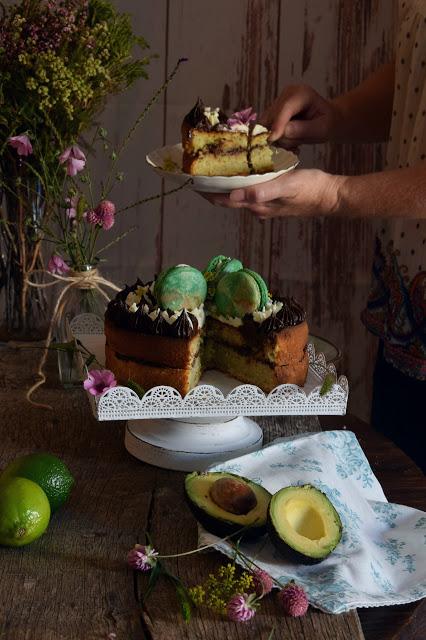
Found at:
(290, 554)
(224, 528)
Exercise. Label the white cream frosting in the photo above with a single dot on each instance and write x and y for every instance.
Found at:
(233, 322)
(270, 309)
(244, 128)
(212, 115)
(258, 129)
(134, 297)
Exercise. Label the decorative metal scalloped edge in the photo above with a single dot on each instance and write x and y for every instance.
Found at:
(122, 403)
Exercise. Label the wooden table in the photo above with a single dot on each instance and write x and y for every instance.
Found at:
(74, 582)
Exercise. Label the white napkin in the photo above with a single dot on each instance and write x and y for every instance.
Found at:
(381, 559)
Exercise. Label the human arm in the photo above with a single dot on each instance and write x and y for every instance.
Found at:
(310, 192)
(300, 115)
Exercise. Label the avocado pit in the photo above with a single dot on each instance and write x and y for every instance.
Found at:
(233, 496)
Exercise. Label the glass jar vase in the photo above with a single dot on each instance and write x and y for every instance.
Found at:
(81, 299)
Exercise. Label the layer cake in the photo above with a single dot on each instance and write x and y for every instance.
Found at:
(230, 323)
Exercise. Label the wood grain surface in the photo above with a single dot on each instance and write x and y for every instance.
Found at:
(74, 582)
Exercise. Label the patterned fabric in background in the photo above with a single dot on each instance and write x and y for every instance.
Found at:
(381, 559)
(396, 308)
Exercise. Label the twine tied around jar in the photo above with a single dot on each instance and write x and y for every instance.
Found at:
(89, 279)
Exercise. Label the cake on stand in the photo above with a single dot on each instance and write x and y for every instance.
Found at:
(213, 422)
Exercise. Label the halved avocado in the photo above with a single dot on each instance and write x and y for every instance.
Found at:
(224, 503)
(303, 524)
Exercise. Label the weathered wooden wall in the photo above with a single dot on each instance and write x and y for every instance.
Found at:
(242, 53)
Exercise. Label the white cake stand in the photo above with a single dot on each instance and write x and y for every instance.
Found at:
(210, 423)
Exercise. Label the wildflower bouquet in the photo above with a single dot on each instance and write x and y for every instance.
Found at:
(233, 591)
(59, 61)
(80, 212)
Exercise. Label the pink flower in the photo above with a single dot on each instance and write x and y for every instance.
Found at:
(71, 207)
(98, 381)
(242, 607)
(22, 145)
(74, 159)
(57, 265)
(142, 557)
(103, 215)
(293, 600)
(242, 117)
(263, 582)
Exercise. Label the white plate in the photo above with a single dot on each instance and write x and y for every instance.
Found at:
(171, 157)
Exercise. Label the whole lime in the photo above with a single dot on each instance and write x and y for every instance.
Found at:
(48, 471)
(24, 512)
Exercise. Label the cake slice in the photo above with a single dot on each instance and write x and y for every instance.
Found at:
(215, 145)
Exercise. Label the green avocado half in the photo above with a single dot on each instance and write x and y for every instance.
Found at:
(224, 503)
(303, 524)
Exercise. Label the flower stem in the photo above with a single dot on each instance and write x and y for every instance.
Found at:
(137, 122)
(207, 546)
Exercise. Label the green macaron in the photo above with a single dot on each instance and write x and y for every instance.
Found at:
(263, 288)
(240, 293)
(180, 287)
(219, 265)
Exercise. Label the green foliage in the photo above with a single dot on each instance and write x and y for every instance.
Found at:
(327, 384)
(54, 93)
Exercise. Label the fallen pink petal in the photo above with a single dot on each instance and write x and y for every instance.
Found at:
(98, 381)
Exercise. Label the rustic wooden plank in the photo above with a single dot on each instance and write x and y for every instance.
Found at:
(73, 582)
(161, 610)
(137, 255)
(332, 46)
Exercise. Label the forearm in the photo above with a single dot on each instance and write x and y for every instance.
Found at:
(388, 194)
(364, 113)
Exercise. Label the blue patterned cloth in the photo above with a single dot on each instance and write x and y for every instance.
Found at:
(381, 559)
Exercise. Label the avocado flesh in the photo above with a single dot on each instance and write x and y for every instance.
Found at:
(217, 520)
(303, 524)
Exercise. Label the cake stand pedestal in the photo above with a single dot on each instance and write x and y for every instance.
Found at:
(191, 445)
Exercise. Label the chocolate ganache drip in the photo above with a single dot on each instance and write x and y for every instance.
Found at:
(290, 315)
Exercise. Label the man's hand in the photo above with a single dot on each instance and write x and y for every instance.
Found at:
(304, 192)
(299, 116)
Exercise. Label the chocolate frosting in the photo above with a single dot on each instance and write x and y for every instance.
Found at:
(290, 315)
(196, 119)
(185, 326)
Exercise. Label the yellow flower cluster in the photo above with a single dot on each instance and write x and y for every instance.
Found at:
(218, 589)
(62, 85)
